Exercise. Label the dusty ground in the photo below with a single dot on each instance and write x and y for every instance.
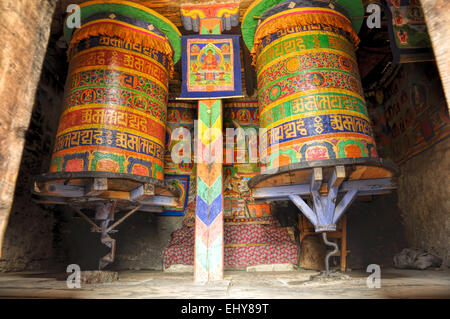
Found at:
(237, 284)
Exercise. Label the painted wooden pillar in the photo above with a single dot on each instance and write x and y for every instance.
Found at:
(209, 243)
(209, 240)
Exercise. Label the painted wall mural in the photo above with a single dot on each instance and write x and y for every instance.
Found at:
(411, 114)
(408, 32)
(237, 195)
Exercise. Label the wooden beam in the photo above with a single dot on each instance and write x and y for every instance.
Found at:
(346, 201)
(367, 187)
(337, 177)
(160, 201)
(281, 191)
(316, 179)
(58, 189)
(304, 208)
(151, 209)
(142, 192)
(96, 186)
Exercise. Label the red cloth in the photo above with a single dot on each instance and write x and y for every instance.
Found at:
(275, 245)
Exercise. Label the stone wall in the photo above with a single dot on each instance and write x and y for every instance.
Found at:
(140, 241)
(424, 198)
(28, 242)
(375, 231)
(437, 17)
(24, 33)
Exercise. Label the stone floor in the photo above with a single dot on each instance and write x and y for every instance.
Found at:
(236, 284)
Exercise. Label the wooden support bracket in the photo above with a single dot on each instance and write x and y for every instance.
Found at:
(142, 192)
(96, 186)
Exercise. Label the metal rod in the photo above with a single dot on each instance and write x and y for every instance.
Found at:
(332, 253)
(86, 218)
(122, 219)
(109, 242)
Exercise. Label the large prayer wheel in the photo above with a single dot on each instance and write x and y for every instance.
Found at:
(310, 96)
(115, 103)
(309, 90)
(318, 141)
(110, 142)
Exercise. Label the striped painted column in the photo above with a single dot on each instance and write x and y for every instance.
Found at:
(209, 258)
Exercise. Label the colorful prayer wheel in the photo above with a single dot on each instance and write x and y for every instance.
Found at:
(110, 144)
(310, 95)
(115, 104)
(318, 141)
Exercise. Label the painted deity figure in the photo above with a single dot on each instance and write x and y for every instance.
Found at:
(210, 61)
(398, 19)
(402, 36)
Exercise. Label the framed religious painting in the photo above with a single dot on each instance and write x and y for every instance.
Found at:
(211, 67)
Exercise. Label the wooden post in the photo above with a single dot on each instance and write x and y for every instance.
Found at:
(344, 244)
(23, 41)
(208, 260)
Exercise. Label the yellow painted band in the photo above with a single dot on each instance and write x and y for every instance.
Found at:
(120, 50)
(310, 92)
(313, 113)
(306, 33)
(227, 12)
(118, 68)
(118, 107)
(111, 127)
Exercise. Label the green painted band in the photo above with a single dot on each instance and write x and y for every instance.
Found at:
(82, 88)
(302, 43)
(281, 79)
(299, 105)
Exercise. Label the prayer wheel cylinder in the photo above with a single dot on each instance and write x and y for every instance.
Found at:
(310, 94)
(115, 101)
